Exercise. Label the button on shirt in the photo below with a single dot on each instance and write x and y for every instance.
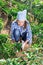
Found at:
(15, 25)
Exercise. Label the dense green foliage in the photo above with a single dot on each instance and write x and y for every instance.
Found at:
(34, 5)
(1, 24)
(8, 50)
(37, 31)
(3, 38)
(38, 12)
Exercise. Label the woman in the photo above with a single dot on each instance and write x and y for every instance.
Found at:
(21, 30)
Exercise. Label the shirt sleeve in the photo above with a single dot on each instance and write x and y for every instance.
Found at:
(29, 33)
(12, 28)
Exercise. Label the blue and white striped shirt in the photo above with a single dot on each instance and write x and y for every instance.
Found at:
(14, 25)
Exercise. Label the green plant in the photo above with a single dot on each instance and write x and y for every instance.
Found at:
(7, 48)
(17, 46)
(38, 13)
(2, 3)
(3, 38)
(1, 24)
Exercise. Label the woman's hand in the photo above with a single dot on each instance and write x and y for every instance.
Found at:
(26, 45)
(12, 41)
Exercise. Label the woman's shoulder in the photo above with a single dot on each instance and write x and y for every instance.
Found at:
(27, 22)
(13, 22)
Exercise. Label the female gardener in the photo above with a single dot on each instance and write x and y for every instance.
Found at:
(21, 30)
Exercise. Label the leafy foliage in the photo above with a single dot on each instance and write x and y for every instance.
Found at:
(7, 48)
(3, 38)
(1, 24)
(37, 11)
(34, 55)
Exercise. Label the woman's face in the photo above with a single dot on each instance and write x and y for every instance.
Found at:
(21, 23)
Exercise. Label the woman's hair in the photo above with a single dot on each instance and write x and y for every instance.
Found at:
(25, 24)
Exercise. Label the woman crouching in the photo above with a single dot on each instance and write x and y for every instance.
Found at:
(21, 30)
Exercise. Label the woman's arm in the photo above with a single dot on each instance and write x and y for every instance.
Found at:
(28, 41)
(29, 34)
(12, 28)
